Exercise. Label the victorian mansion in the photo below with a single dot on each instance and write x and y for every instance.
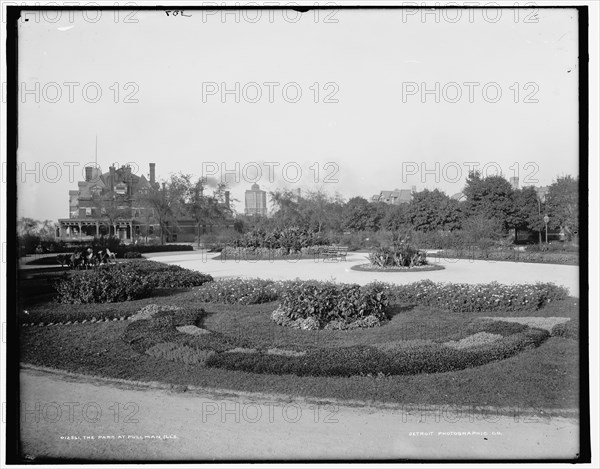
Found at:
(112, 204)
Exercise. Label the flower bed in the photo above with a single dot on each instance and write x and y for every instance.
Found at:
(315, 305)
(419, 268)
(399, 254)
(240, 291)
(462, 297)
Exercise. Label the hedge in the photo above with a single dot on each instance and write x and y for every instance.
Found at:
(124, 282)
(103, 286)
(542, 257)
(326, 301)
(567, 330)
(367, 360)
(462, 297)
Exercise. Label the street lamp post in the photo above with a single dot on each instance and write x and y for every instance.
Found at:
(546, 220)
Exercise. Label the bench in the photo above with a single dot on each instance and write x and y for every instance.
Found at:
(334, 253)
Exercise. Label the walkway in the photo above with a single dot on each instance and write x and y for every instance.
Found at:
(90, 419)
(456, 270)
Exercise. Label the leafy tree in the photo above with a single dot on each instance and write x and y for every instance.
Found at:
(528, 211)
(198, 205)
(478, 230)
(433, 211)
(321, 211)
(396, 217)
(286, 208)
(360, 215)
(167, 201)
(490, 197)
(562, 205)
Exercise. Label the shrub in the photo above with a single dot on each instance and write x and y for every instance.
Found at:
(399, 254)
(132, 255)
(326, 301)
(166, 276)
(103, 286)
(288, 240)
(567, 330)
(124, 282)
(476, 297)
(240, 291)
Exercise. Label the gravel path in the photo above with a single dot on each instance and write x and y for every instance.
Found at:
(455, 270)
(79, 417)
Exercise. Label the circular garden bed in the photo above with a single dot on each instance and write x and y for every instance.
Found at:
(374, 268)
(186, 335)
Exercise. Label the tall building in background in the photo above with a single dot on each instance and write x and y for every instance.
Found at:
(256, 201)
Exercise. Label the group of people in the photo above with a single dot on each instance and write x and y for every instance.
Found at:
(87, 258)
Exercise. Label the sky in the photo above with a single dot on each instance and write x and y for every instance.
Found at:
(349, 101)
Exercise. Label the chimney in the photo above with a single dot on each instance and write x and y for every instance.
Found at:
(112, 178)
(152, 173)
(227, 199)
(514, 183)
(299, 192)
(88, 173)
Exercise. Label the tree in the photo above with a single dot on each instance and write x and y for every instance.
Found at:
(396, 217)
(321, 211)
(286, 208)
(528, 212)
(562, 205)
(167, 201)
(490, 197)
(360, 215)
(199, 206)
(27, 226)
(433, 211)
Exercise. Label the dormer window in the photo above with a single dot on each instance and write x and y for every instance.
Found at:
(121, 188)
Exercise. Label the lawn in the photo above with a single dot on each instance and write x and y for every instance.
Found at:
(543, 377)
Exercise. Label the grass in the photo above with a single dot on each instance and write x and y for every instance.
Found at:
(544, 377)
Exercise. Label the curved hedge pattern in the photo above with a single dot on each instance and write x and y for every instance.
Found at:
(159, 337)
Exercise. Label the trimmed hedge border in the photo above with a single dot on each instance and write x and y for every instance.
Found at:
(458, 297)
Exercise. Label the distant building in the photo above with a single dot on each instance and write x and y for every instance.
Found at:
(88, 214)
(256, 201)
(542, 192)
(111, 204)
(459, 196)
(514, 183)
(395, 197)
